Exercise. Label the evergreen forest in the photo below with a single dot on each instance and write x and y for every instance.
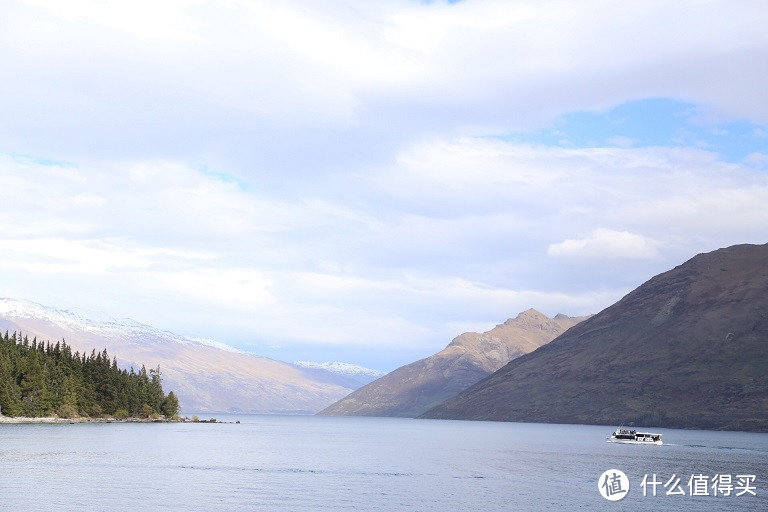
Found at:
(42, 379)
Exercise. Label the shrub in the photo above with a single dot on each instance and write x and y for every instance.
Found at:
(146, 411)
(66, 411)
(121, 414)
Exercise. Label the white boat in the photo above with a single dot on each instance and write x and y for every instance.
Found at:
(627, 436)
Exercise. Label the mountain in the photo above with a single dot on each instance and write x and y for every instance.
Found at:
(206, 375)
(353, 374)
(689, 348)
(412, 389)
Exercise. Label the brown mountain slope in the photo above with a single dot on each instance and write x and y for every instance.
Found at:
(689, 348)
(205, 378)
(412, 389)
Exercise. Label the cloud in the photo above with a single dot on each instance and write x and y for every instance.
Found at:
(86, 257)
(255, 85)
(758, 159)
(454, 230)
(605, 244)
(351, 174)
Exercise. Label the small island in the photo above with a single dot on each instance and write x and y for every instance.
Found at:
(46, 383)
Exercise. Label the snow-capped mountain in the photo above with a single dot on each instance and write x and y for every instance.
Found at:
(353, 371)
(114, 328)
(207, 375)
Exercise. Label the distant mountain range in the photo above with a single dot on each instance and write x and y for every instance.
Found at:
(207, 376)
(413, 389)
(359, 374)
(689, 348)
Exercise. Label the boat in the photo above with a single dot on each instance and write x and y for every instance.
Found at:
(631, 436)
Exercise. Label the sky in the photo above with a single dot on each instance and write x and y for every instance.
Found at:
(363, 181)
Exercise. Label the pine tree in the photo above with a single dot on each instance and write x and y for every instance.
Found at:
(34, 392)
(39, 378)
(171, 405)
(10, 394)
(155, 396)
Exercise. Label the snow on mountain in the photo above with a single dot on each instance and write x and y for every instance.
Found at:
(206, 375)
(109, 327)
(221, 346)
(346, 369)
(12, 308)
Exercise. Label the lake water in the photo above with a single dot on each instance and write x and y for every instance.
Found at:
(307, 463)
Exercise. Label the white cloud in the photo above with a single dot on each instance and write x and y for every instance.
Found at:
(247, 81)
(241, 290)
(85, 257)
(456, 231)
(336, 171)
(758, 159)
(606, 244)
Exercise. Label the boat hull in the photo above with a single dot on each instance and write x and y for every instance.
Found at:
(634, 441)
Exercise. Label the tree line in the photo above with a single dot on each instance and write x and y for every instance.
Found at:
(41, 379)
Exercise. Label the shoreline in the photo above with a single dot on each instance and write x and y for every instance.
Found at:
(48, 420)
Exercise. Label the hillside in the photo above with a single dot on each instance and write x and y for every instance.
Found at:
(207, 376)
(689, 348)
(412, 389)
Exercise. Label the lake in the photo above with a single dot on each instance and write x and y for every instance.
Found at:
(308, 463)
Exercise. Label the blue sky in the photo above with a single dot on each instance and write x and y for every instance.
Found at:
(364, 181)
(661, 122)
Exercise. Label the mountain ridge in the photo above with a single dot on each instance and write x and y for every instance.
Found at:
(412, 389)
(687, 348)
(208, 376)
(109, 326)
(355, 372)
